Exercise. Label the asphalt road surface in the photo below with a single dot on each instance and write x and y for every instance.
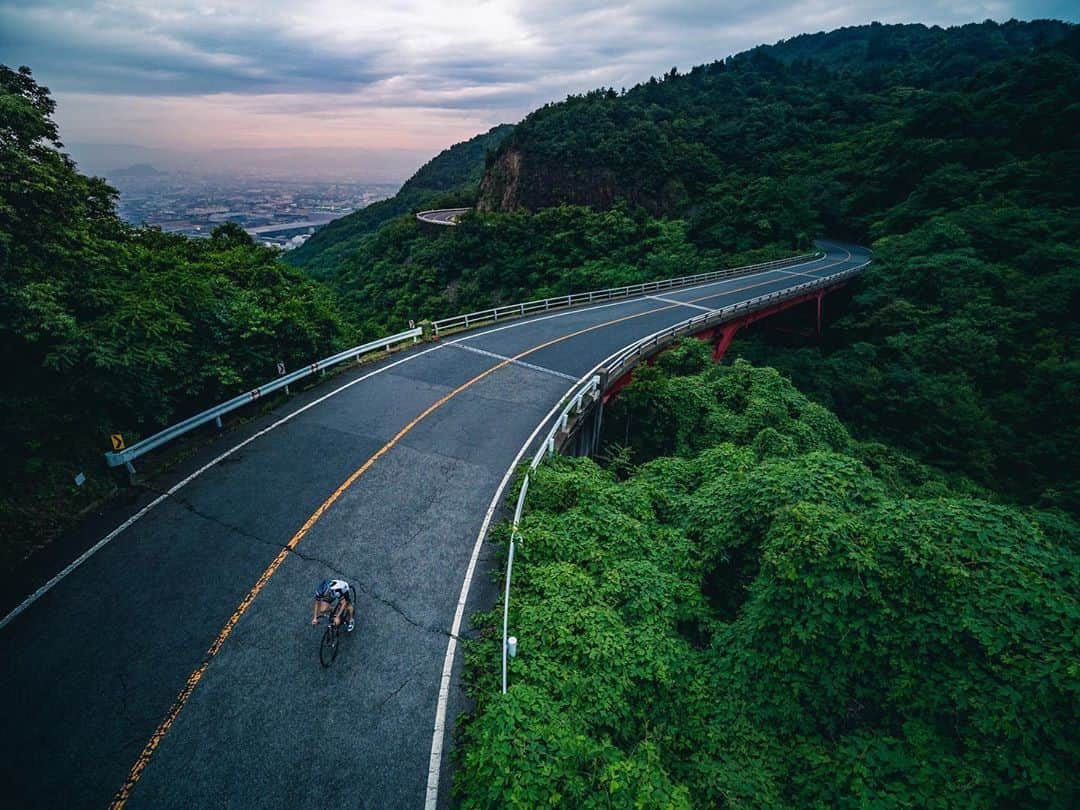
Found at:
(92, 670)
(442, 216)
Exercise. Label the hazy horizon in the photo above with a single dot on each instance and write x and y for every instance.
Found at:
(324, 163)
(378, 92)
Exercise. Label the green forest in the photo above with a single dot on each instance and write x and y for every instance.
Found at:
(747, 607)
(109, 328)
(860, 589)
(489, 259)
(839, 571)
(953, 153)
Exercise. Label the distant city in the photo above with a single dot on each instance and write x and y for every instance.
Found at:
(281, 212)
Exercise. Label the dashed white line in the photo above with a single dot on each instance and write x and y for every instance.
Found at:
(680, 303)
(521, 363)
(172, 490)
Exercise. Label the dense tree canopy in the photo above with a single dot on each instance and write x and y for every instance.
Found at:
(768, 613)
(851, 123)
(404, 271)
(107, 328)
(959, 344)
(955, 153)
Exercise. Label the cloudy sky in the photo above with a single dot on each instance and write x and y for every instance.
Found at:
(396, 80)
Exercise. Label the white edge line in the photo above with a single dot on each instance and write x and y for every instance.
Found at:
(439, 733)
(176, 487)
(180, 484)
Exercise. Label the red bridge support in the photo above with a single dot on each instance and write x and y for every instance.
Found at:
(723, 334)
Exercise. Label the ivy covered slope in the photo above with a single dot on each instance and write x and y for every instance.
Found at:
(107, 328)
(448, 180)
(768, 613)
(955, 153)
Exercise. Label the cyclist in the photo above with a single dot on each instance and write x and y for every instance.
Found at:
(336, 596)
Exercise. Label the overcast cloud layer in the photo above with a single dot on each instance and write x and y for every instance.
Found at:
(398, 78)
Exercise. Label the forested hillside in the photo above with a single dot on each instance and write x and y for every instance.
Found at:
(752, 609)
(107, 328)
(403, 269)
(845, 125)
(955, 153)
(745, 604)
(447, 180)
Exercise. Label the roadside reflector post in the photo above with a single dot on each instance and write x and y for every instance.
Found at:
(217, 422)
(281, 373)
(511, 646)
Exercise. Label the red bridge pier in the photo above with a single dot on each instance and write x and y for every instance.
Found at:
(722, 334)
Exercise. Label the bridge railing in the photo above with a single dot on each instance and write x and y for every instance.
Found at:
(214, 414)
(590, 388)
(128, 455)
(495, 314)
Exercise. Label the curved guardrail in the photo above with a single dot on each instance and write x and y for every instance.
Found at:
(575, 299)
(214, 414)
(128, 455)
(591, 387)
(442, 216)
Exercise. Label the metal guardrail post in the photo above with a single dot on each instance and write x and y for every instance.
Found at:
(506, 607)
(214, 414)
(610, 293)
(612, 369)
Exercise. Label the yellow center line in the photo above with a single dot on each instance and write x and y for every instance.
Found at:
(122, 795)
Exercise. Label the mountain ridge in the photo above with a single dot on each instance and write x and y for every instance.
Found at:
(448, 179)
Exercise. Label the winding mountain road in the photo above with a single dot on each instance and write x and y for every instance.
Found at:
(384, 477)
(442, 216)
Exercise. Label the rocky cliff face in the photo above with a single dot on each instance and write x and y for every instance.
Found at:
(515, 181)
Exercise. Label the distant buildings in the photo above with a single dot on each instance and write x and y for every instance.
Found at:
(275, 211)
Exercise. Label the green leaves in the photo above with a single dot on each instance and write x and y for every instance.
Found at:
(832, 625)
(109, 328)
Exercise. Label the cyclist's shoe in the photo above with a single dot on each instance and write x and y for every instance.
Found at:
(350, 626)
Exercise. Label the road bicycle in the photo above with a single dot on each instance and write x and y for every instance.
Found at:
(328, 646)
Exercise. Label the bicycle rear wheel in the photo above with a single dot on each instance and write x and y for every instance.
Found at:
(328, 647)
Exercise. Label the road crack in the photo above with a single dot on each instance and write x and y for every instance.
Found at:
(335, 568)
(393, 694)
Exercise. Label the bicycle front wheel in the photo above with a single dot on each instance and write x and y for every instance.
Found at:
(328, 647)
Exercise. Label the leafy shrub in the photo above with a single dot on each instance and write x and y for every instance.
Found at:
(830, 625)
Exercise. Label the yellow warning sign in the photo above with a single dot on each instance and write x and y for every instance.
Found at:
(117, 441)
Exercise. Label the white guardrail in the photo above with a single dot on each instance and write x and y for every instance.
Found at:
(214, 414)
(442, 216)
(445, 216)
(576, 299)
(590, 388)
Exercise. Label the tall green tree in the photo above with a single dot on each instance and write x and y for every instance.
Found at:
(108, 328)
